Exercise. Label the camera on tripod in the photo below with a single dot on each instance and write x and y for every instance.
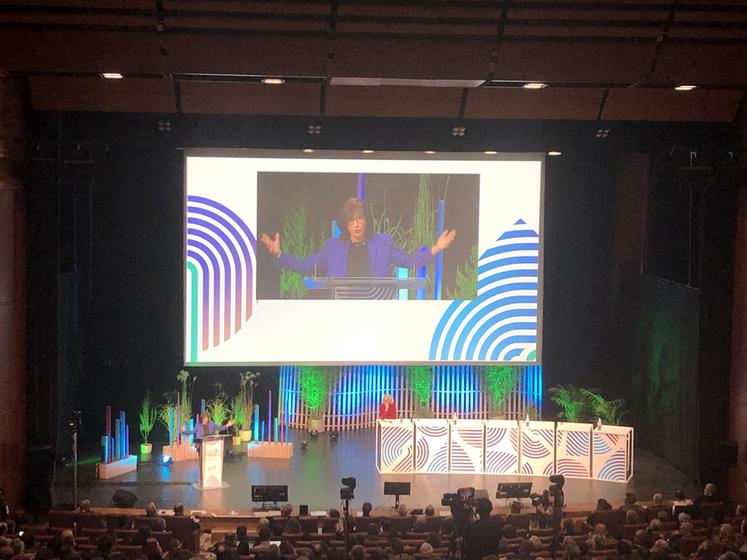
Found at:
(554, 491)
(346, 493)
(462, 498)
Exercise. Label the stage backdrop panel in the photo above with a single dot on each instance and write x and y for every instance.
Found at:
(537, 448)
(573, 449)
(612, 457)
(501, 447)
(394, 447)
(431, 446)
(467, 446)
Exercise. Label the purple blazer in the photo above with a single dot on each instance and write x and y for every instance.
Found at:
(332, 259)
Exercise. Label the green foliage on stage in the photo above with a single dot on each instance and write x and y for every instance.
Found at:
(466, 279)
(238, 412)
(572, 401)
(500, 381)
(218, 408)
(147, 417)
(299, 239)
(421, 381)
(247, 383)
(185, 395)
(610, 412)
(314, 383)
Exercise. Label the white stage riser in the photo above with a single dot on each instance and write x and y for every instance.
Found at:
(505, 447)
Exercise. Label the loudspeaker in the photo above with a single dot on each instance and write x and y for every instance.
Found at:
(124, 499)
(303, 510)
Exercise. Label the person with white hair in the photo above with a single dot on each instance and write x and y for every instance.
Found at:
(402, 510)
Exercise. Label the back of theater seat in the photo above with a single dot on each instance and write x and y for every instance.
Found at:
(62, 518)
(309, 525)
(712, 510)
(614, 519)
(184, 530)
(91, 520)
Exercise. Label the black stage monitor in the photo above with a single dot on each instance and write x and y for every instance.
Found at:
(262, 494)
(513, 490)
(396, 488)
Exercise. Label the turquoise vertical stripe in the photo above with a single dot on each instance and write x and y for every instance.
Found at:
(193, 306)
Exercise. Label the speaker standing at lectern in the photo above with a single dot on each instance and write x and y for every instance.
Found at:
(206, 427)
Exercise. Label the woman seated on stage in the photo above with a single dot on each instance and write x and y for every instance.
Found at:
(387, 408)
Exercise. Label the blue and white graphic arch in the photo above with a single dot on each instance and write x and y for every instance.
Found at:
(500, 324)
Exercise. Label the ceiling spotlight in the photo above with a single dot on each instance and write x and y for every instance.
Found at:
(314, 129)
(430, 152)
(112, 75)
(534, 85)
(308, 150)
(685, 87)
(602, 132)
(554, 153)
(458, 131)
(367, 151)
(273, 81)
(490, 152)
(164, 126)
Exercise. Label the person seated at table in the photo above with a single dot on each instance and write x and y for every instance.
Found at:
(387, 408)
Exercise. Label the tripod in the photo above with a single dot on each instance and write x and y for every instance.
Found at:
(557, 515)
(346, 523)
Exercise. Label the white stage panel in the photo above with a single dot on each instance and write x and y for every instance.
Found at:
(431, 446)
(501, 447)
(467, 446)
(537, 452)
(573, 449)
(394, 448)
(613, 453)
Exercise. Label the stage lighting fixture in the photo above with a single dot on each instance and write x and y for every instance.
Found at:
(554, 153)
(166, 460)
(308, 150)
(430, 152)
(304, 445)
(685, 87)
(112, 75)
(273, 81)
(314, 129)
(459, 131)
(534, 85)
(367, 151)
(333, 435)
(602, 132)
(490, 152)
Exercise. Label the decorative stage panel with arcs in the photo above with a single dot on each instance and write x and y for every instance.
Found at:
(355, 393)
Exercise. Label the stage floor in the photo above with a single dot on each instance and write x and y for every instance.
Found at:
(313, 478)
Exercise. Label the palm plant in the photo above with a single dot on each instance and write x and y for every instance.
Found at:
(147, 417)
(572, 402)
(610, 411)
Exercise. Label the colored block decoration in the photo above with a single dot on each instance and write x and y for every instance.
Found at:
(612, 454)
(395, 446)
(467, 446)
(573, 449)
(115, 444)
(431, 446)
(501, 447)
(537, 448)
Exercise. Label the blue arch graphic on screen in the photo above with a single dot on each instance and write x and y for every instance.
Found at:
(500, 324)
(221, 252)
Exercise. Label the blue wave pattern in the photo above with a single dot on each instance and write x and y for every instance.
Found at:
(500, 324)
(614, 467)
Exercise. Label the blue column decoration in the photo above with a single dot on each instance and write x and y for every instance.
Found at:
(362, 187)
(117, 439)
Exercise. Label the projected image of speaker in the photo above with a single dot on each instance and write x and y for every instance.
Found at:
(396, 489)
(264, 494)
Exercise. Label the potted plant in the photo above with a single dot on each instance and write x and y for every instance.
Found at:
(247, 383)
(500, 381)
(148, 416)
(421, 378)
(218, 408)
(238, 415)
(314, 383)
(571, 401)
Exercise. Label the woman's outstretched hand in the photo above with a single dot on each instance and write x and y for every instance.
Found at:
(444, 241)
(272, 244)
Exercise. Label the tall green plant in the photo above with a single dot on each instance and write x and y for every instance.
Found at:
(465, 283)
(147, 417)
(421, 381)
(314, 383)
(247, 384)
(218, 409)
(300, 239)
(238, 412)
(187, 383)
(611, 412)
(572, 401)
(499, 382)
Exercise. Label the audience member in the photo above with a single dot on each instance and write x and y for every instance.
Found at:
(480, 539)
(680, 500)
(366, 509)
(430, 511)
(286, 510)
(402, 510)
(179, 509)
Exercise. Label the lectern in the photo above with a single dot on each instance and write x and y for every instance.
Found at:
(211, 463)
(363, 288)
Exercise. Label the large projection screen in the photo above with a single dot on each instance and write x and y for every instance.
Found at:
(378, 289)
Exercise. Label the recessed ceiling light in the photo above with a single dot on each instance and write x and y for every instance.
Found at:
(273, 81)
(685, 87)
(367, 151)
(554, 153)
(112, 75)
(534, 85)
(430, 152)
(308, 150)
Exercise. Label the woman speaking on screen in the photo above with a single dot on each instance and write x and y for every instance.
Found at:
(358, 252)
